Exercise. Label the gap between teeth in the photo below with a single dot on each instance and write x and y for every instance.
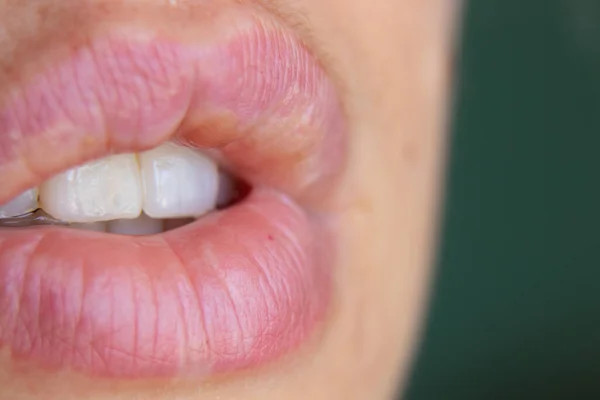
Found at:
(142, 193)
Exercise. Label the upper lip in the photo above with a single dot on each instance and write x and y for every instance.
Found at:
(244, 86)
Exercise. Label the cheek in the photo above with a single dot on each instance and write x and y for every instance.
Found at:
(396, 77)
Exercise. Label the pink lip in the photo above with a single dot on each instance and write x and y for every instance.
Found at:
(233, 290)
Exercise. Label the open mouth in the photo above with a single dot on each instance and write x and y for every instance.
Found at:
(132, 194)
(163, 200)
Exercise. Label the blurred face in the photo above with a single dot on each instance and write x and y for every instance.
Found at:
(217, 199)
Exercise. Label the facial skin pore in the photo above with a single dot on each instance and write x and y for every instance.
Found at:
(389, 61)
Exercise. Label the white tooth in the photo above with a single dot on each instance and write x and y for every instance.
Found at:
(178, 182)
(143, 225)
(90, 226)
(102, 190)
(22, 204)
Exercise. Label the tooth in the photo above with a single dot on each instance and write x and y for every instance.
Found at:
(22, 204)
(90, 226)
(142, 225)
(178, 182)
(102, 190)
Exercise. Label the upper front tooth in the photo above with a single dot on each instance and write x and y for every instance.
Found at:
(102, 190)
(22, 204)
(178, 182)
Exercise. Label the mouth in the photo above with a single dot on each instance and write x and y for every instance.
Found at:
(87, 140)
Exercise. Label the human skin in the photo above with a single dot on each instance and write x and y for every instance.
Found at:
(389, 62)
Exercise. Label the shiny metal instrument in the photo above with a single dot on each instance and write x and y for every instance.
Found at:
(35, 218)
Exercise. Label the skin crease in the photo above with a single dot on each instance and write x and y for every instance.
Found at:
(390, 61)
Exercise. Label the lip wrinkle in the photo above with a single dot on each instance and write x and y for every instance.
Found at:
(11, 302)
(188, 288)
(210, 263)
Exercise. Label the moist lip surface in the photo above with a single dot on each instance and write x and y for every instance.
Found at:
(238, 287)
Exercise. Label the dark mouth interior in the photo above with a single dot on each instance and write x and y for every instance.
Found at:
(240, 190)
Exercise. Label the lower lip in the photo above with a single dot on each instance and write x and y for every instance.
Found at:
(231, 291)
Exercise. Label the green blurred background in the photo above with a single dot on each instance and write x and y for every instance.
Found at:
(514, 314)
